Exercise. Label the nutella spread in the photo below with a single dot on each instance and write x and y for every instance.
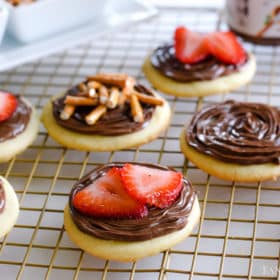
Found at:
(236, 132)
(2, 197)
(158, 222)
(164, 60)
(17, 123)
(117, 121)
(255, 20)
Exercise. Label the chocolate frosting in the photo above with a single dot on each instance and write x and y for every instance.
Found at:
(116, 121)
(2, 197)
(237, 132)
(17, 123)
(158, 222)
(164, 60)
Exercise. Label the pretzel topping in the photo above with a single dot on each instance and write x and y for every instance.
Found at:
(136, 109)
(95, 114)
(80, 101)
(118, 80)
(67, 112)
(148, 99)
(106, 92)
(113, 98)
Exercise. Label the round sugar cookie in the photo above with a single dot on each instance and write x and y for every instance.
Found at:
(128, 251)
(229, 171)
(16, 145)
(9, 207)
(218, 85)
(112, 224)
(90, 142)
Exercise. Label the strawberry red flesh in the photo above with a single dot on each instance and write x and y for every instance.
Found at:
(107, 198)
(225, 47)
(189, 46)
(153, 186)
(8, 105)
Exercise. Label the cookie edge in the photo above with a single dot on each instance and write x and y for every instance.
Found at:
(229, 171)
(159, 123)
(200, 88)
(113, 250)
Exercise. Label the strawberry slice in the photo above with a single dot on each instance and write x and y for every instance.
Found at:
(8, 104)
(189, 46)
(152, 186)
(107, 198)
(225, 47)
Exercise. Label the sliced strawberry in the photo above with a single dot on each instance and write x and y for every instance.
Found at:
(152, 186)
(8, 104)
(189, 46)
(106, 197)
(225, 46)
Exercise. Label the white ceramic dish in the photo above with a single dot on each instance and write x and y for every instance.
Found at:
(29, 22)
(117, 14)
(3, 21)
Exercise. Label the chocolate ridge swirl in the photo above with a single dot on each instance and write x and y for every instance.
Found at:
(17, 123)
(158, 222)
(2, 197)
(164, 60)
(115, 122)
(237, 132)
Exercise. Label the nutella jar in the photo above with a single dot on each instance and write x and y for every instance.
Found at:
(256, 20)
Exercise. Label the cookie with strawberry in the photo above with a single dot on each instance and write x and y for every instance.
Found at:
(19, 125)
(198, 64)
(127, 211)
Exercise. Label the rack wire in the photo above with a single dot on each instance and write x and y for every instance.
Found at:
(239, 231)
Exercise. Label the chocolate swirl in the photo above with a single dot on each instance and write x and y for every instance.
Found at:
(116, 121)
(164, 60)
(158, 222)
(2, 197)
(243, 133)
(17, 123)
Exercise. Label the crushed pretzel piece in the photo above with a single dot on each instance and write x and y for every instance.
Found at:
(136, 109)
(122, 98)
(103, 95)
(92, 93)
(148, 99)
(80, 101)
(95, 114)
(94, 84)
(82, 87)
(118, 80)
(67, 112)
(113, 98)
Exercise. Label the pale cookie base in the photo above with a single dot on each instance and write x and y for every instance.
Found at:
(200, 88)
(85, 142)
(229, 171)
(128, 251)
(18, 144)
(10, 213)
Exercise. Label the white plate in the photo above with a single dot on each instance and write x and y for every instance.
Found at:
(118, 13)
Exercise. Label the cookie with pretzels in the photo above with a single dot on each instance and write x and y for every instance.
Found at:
(106, 112)
(199, 64)
(235, 141)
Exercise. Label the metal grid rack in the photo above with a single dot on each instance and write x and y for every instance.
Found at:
(239, 231)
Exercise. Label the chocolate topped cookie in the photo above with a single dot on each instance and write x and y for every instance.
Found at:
(199, 64)
(18, 125)
(138, 208)
(106, 112)
(235, 141)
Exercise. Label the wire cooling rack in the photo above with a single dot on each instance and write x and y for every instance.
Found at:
(239, 231)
